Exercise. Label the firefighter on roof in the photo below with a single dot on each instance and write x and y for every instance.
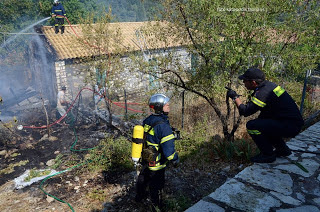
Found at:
(279, 116)
(158, 151)
(59, 13)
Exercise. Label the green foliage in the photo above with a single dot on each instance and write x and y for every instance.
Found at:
(75, 9)
(112, 155)
(192, 141)
(97, 195)
(195, 147)
(10, 168)
(36, 173)
(57, 161)
(240, 150)
(131, 10)
(105, 67)
(178, 203)
(227, 37)
(72, 160)
(198, 145)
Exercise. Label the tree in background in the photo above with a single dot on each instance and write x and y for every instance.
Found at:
(17, 15)
(75, 9)
(104, 42)
(131, 10)
(225, 38)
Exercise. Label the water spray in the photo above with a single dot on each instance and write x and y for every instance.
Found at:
(5, 43)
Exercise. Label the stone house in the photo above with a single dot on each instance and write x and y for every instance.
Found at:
(68, 52)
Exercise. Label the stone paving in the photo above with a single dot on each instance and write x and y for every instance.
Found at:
(281, 186)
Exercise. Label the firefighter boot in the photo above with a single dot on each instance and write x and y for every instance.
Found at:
(283, 152)
(263, 158)
(56, 29)
(62, 30)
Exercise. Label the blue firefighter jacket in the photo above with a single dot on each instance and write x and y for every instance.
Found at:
(58, 10)
(161, 137)
(273, 102)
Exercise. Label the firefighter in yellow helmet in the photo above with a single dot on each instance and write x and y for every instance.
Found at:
(159, 150)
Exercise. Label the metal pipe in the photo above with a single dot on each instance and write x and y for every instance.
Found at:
(182, 110)
(308, 73)
(126, 105)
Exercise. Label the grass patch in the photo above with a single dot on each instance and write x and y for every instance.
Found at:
(204, 148)
(11, 166)
(35, 173)
(15, 154)
(112, 155)
(177, 203)
(57, 161)
(240, 150)
(72, 160)
(97, 195)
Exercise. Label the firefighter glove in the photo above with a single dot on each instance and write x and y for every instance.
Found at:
(232, 94)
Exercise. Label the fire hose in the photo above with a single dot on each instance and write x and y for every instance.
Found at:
(72, 148)
(119, 104)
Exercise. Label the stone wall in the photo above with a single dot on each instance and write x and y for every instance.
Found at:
(70, 75)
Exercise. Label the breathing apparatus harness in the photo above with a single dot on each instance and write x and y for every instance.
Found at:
(140, 149)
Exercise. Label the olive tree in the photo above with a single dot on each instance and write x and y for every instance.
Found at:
(103, 41)
(225, 38)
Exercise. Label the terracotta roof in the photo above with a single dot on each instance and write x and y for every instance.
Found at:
(69, 44)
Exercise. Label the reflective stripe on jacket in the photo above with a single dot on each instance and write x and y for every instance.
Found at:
(161, 137)
(58, 10)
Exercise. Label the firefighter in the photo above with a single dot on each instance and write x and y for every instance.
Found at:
(59, 13)
(62, 103)
(279, 115)
(158, 151)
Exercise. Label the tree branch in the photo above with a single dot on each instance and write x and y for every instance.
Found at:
(190, 35)
(211, 101)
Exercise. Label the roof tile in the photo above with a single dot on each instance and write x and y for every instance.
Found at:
(69, 46)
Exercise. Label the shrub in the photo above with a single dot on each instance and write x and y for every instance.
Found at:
(111, 155)
(239, 149)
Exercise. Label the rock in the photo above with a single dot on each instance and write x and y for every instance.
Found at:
(3, 152)
(50, 162)
(45, 137)
(56, 152)
(52, 138)
(76, 178)
(49, 199)
(226, 169)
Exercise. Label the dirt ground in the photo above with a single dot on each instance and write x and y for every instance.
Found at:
(98, 191)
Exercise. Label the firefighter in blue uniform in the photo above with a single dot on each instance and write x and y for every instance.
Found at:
(279, 116)
(59, 13)
(160, 146)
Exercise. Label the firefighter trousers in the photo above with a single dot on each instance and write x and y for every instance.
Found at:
(57, 22)
(269, 133)
(155, 181)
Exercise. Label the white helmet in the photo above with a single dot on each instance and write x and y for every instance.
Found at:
(55, 1)
(157, 101)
